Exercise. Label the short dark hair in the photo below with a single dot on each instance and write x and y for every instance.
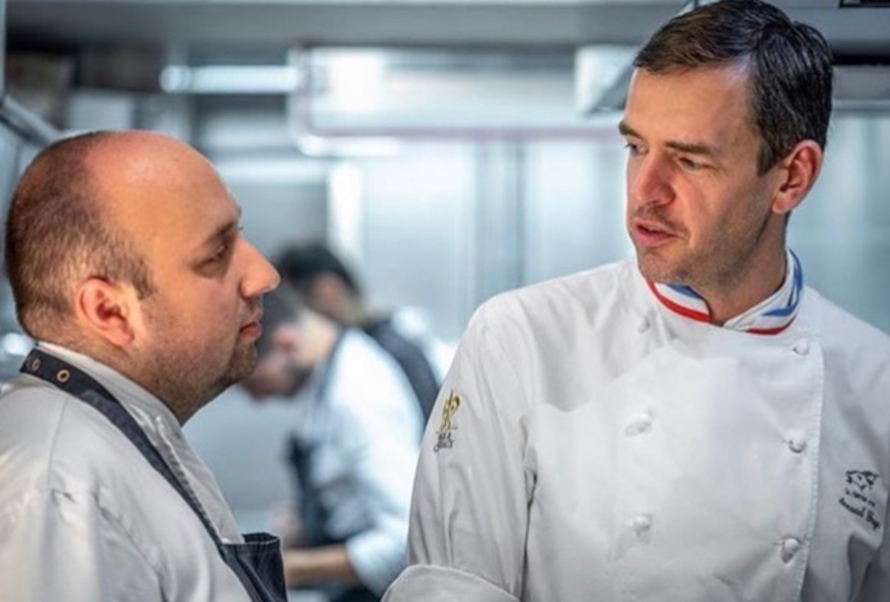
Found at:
(56, 235)
(789, 67)
(299, 265)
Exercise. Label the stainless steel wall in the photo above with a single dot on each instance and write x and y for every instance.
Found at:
(441, 226)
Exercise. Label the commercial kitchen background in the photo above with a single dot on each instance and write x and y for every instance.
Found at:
(449, 149)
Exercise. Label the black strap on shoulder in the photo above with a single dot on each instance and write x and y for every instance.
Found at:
(84, 387)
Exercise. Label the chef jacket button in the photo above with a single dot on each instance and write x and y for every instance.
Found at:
(789, 548)
(642, 523)
(642, 423)
(802, 347)
(643, 325)
(796, 442)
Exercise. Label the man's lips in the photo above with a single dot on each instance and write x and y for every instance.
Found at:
(253, 328)
(649, 233)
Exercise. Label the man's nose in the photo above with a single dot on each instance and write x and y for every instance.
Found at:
(649, 181)
(260, 277)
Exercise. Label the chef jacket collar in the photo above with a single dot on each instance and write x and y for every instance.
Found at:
(149, 411)
(771, 316)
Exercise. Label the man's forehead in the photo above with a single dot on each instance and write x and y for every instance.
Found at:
(176, 202)
(703, 106)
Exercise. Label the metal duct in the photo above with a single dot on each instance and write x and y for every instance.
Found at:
(12, 114)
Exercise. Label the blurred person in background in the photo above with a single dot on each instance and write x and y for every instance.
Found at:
(128, 268)
(353, 450)
(695, 425)
(328, 287)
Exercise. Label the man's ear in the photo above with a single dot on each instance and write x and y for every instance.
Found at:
(799, 170)
(107, 309)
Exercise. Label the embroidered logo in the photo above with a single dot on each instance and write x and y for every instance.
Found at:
(445, 439)
(859, 497)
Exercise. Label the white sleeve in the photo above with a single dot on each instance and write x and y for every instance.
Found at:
(430, 583)
(382, 450)
(61, 546)
(470, 507)
(876, 584)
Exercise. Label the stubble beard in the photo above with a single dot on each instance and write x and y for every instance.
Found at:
(721, 265)
(699, 271)
(187, 382)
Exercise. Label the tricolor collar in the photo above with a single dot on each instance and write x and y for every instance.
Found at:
(771, 316)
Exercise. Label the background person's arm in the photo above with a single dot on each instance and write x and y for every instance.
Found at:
(314, 565)
(470, 507)
(381, 433)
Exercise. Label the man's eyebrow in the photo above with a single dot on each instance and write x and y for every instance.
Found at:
(220, 233)
(626, 130)
(224, 231)
(693, 148)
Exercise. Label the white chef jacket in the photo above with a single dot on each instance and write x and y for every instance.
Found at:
(366, 428)
(590, 444)
(84, 517)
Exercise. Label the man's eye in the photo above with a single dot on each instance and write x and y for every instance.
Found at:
(219, 255)
(691, 164)
(632, 149)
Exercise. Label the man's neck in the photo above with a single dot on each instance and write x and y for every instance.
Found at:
(727, 300)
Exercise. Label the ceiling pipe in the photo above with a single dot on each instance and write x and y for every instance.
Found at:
(25, 123)
(13, 114)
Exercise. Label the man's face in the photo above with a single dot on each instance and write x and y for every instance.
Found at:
(697, 211)
(199, 327)
(279, 373)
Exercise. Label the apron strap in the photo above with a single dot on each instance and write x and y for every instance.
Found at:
(84, 387)
(257, 562)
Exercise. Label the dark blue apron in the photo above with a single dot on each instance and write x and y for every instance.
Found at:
(257, 562)
(313, 515)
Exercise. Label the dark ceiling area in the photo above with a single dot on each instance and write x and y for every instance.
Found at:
(280, 24)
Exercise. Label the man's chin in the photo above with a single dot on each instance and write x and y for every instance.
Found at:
(243, 363)
(657, 269)
(653, 269)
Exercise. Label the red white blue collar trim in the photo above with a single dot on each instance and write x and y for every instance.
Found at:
(771, 316)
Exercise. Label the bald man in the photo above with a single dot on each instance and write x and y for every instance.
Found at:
(127, 266)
